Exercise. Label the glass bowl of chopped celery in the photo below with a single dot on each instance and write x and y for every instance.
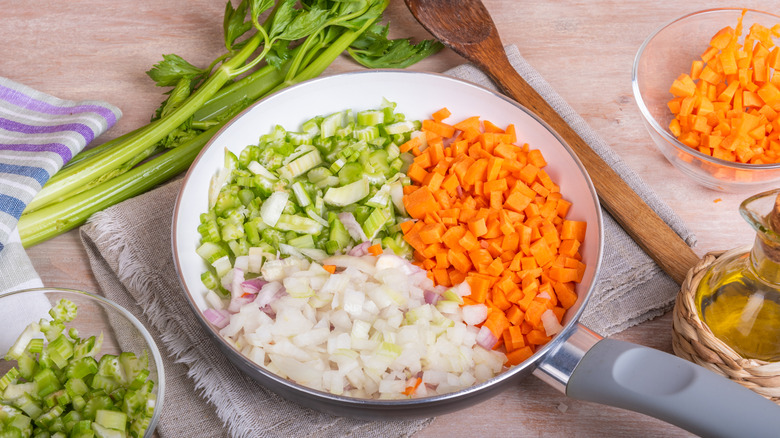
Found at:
(710, 100)
(76, 364)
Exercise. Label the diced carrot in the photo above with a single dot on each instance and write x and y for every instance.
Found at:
(409, 145)
(419, 202)
(330, 268)
(729, 82)
(519, 355)
(497, 322)
(513, 338)
(537, 337)
(441, 114)
(565, 294)
(375, 249)
(488, 214)
(412, 388)
(574, 230)
(439, 128)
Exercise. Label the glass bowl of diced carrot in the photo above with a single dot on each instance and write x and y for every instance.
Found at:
(708, 88)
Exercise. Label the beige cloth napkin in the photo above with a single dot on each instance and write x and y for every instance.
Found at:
(129, 246)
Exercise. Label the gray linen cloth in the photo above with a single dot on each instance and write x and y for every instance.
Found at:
(129, 246)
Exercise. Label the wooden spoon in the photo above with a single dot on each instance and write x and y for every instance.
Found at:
(466, 27)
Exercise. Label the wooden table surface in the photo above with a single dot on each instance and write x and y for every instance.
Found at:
(100, 49)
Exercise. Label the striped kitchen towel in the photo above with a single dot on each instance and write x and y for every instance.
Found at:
(39, 133)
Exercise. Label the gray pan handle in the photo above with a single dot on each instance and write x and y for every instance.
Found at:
(661, 385)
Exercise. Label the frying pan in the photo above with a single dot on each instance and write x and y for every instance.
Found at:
(577, 361)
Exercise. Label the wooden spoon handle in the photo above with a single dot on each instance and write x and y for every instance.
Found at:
(640, 221)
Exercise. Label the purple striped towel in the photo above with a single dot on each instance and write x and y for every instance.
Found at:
(39, 133)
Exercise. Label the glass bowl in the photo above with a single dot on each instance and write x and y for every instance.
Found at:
(122, 332)
(667, 53)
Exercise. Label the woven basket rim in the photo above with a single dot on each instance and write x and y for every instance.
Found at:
(693, 340)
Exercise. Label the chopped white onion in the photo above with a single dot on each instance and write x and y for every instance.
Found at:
(367, 331)
(550, 323)
(474, 314)
(352, 226)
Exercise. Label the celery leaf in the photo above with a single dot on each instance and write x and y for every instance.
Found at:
(374, 50)
(233, 23)
(171, 69)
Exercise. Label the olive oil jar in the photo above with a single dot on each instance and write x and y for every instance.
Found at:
(739, 296)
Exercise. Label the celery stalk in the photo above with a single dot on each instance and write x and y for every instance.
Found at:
(53, 220)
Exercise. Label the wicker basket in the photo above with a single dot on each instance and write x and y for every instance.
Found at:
(692, 340)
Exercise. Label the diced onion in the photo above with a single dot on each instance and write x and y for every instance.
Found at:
(365, 331)
(220, 318)
(474, 314)
(353, 227)
(550, 323)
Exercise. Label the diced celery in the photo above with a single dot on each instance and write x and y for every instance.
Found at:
(348, 194)
(8, 378)
(82, 429)
(16, 350)
(350, 173)
(22, 423)
(367, 133)
(95, 404)
(28, 405)
(211, 251)
(370, 117)
(312, 126)
(381, 198)
(330, 124)
(63, 311)
(301, 165)
(76, 386)
(299, 138)
(298, 224)
(104, 432)
(111, 419)
(88, 347)
(300, 194)
(305, 241)
(210, 280)
(27, 365)
(60, 350)
(81, 368)
(375, 222)
(46, 382)
(400, 127)
(273, 206)
(310, 211)
(259, 169)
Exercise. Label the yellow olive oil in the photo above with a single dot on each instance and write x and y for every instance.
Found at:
(739, 296)
(742, 311)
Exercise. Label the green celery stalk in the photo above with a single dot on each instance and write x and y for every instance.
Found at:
(55, 219)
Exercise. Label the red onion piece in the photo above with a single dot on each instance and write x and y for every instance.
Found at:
(359, 250)
(253, 285)
(486, 339)
(269, 293)
(431, 297)
(219, 318)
